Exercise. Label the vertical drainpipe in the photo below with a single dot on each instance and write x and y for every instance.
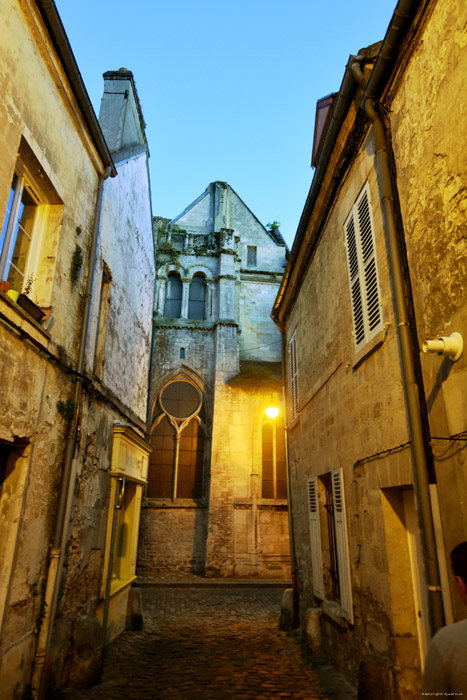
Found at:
(57, 554)
(412, 391)
(293, 568)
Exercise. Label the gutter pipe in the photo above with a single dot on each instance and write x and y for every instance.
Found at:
(408, 351)
(57, 32)
(57, 555)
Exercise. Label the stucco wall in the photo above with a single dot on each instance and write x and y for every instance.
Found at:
(429, 136)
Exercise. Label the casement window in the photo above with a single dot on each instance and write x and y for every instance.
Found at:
(176, 467)
(197, 298)
(173, 296)
(329, 541)
(24, 226)
(273, 479)
(251, 260)
(293, 376)
(362, 268)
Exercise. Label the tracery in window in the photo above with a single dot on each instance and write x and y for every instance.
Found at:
(173, 296)
(176, 465)
(197, 298)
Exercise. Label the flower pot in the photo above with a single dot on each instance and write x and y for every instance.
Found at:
(13, 294)
(30, 307)
(4, 286)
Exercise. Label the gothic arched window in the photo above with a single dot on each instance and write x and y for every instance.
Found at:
(197, 298)
(274, 483)
(177, 462)
(173, 296)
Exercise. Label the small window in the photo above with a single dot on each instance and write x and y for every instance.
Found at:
(173, 296)
(293, 377)
(251, 256)
(182, 353)
(197, 298)
(104, 307)
(362, 267)
(273, 480)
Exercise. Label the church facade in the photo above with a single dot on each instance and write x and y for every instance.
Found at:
(216, 499)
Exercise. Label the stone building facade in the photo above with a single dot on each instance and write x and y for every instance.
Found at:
(74, 355)
(376, 427)
(216, 498)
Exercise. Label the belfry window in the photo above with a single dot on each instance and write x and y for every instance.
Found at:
(197, 298)
(173, 296)
(273, 480)
(177, 462)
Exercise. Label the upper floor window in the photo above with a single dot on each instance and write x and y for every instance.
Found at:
(173, 296)
(197, 298)
(251, 256)
(365, 293)
(27, 214)
(273, 478)
(176, 466)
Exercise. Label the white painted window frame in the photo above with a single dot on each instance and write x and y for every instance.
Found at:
(342, 542)
(362, 269)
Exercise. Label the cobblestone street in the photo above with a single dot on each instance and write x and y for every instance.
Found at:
(211, 643)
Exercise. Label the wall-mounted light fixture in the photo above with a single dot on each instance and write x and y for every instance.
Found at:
(272, 412)
(451, 346)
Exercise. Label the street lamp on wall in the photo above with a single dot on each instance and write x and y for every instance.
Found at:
(272, 412)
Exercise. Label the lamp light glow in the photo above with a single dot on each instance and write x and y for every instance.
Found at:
(272, 412)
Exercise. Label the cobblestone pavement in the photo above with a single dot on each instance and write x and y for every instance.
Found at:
(210, 644)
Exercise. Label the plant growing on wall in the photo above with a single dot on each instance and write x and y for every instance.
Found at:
(76, 264)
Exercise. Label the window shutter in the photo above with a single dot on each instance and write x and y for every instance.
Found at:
(343, 563)
(315, 538)
(363, 271)
(293, 375)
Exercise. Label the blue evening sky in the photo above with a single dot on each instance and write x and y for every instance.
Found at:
(228, 90)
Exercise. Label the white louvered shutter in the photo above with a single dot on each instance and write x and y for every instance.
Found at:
(363, 271)
(293, 375)
(315, 538)
(342, 546)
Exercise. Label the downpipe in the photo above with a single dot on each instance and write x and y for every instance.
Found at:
(407, 354)
(41, 668)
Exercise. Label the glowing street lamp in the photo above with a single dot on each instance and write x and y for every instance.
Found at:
(272, 412)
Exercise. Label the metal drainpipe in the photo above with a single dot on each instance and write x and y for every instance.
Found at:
(407, 354)
(40, 672)
(293, 568)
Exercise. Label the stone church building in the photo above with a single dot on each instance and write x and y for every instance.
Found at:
(216, 496)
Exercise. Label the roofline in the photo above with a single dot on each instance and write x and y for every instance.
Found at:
(401, 20)
(62, 46)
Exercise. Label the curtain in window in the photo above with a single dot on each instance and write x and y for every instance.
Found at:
(173, 296)
(197, 298)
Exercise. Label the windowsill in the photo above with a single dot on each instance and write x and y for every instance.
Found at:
(370, 347)
(293, 424)
(334, 611)
(261, 503)
(21, 319)
(119, 584)
(163, 503)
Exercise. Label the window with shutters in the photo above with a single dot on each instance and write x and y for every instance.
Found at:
(293, 377)
(328, 541)
(362, 269)
(176, 466)
(273, 480)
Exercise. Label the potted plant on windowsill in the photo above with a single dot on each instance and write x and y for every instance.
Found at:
(27, 303)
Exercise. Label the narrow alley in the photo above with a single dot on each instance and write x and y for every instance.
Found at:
(212, 642)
